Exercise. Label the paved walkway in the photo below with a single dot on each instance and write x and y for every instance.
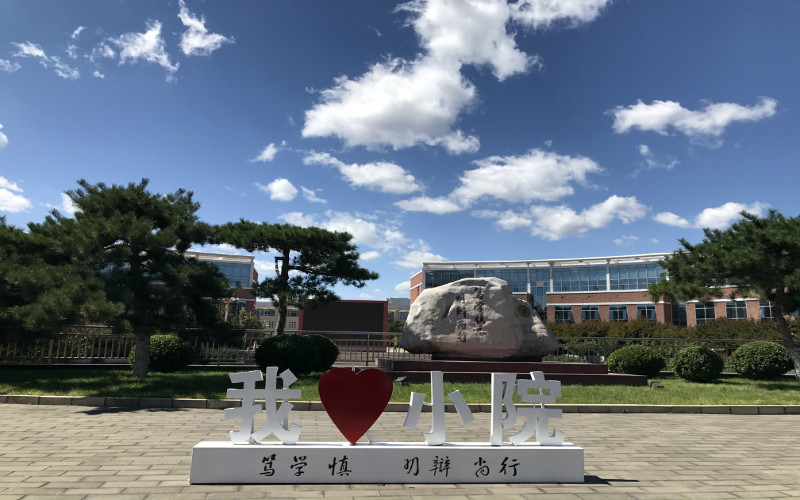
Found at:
(74, 452)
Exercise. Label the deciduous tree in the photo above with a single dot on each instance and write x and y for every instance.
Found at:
(755, 255)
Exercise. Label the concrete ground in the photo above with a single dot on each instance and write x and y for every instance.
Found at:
(75, 452)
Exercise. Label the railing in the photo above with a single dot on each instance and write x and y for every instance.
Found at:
(354, 347)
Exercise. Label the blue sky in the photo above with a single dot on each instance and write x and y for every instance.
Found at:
(430, 130)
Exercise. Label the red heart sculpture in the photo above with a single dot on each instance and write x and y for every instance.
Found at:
(354, 401)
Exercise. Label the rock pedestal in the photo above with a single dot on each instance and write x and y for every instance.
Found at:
(475, 318)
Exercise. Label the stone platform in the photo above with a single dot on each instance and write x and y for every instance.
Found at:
(418, 371)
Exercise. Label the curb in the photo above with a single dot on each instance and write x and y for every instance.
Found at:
(219, 404)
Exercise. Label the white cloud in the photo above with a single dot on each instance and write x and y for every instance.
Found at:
(713, 218)
(722, 216)
(311, 195)
(371, 255)
(711, 121)
(402, 103)
(403, 287)
(471, 32)
(9, 66)
(546, 13)
(196, 40)
(102, 50)
(35, 51)
(652, 162)
(624, 241)
(397, 104)
(148, 46)
(299, 219)
(538, 175)
(97, 74)
(414, 258)
(365, 232)
(3, 138)
(10, 200)
(556, 222)
(440, 205)
(72, 51)
(67, 205)
(75, 34)
(383, 177)
(268, 153)
(671, 219)
(279, 190)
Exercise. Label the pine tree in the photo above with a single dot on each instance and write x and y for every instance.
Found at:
(130, 243)
(756, 255)
(310, 261)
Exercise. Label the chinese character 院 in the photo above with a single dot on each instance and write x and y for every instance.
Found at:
(535, 417)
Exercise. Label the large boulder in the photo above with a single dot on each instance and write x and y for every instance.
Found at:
(475, 318)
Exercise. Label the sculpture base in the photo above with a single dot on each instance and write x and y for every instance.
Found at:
(217, 462)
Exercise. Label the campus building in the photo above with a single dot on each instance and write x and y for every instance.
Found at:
(240, 272)
(598, 288)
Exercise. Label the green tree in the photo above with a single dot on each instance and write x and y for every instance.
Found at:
(756, 255)
(42, 289)
(131, 243)
(310, 261)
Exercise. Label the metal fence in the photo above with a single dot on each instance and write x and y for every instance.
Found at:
(354, 347)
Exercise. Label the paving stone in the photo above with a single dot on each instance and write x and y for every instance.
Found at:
(125, 452)
(88, 401)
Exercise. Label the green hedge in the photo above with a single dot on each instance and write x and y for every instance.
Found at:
(697, 364)
(167, 354)
(636, 359)
(298, 353)
(761, 360)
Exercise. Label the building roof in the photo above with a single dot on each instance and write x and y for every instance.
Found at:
(524, 264)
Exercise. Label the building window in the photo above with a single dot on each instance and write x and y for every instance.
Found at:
(590, 313)
(736, 309)
(291, 312)
(679, 314)
(270, 324)
(634, 276)
(292, 325)
(765, 310)
(516, 278)
(579, 279)
(704, 312)
(618, 312)
(563, 314)
(647, 311)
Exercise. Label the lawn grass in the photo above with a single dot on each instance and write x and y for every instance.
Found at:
(213, 385)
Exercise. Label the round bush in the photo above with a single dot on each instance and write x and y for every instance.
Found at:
(297, 353)
(167, 354)
(697, 364)
(761, 360)
(636, 359)
(328, 352)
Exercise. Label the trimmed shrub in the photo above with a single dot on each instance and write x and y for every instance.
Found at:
(297, 353)
(328, 352)
(636, 359)
(168, 353)
(697, 364)
(761, 360)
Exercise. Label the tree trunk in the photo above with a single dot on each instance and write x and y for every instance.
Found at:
(141, 360)
(786, 336)
(283, 272)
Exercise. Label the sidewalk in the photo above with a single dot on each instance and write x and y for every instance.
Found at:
(75, 452)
